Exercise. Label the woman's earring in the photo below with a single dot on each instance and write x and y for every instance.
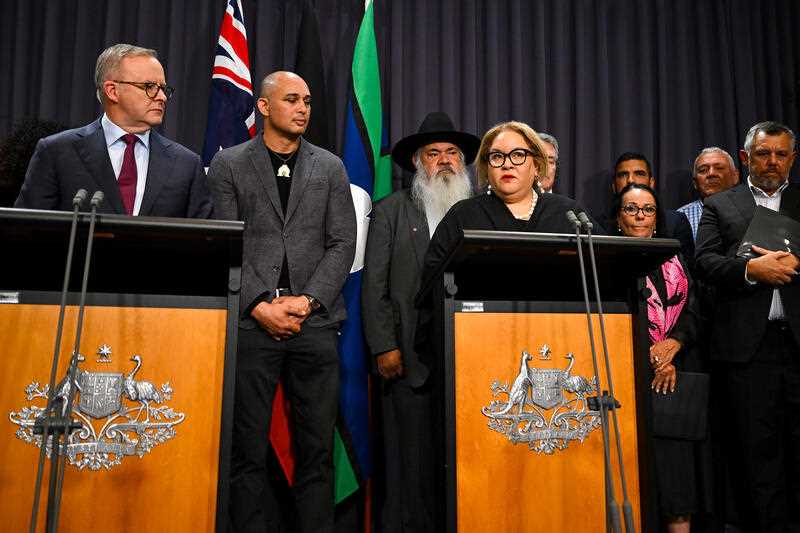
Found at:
(489, 189)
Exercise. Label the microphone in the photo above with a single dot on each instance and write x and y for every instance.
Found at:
(572, 218)
(50, 425)
(612, 508)
(97, 198)
(608, 401)
(57, 473)
(79, 198)
(587, 224)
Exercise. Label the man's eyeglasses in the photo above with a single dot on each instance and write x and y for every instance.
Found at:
(517, 157)
(151, 88)
(632, 210)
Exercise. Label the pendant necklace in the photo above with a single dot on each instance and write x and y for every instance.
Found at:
(283, 170)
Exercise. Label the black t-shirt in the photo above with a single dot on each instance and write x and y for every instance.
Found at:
(284, 188)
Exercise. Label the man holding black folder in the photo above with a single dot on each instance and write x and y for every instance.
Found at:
(755, 334)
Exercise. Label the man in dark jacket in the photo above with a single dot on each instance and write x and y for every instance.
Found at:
(399, 233)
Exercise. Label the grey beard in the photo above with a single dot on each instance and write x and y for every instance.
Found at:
(436, 195)
(766, 184)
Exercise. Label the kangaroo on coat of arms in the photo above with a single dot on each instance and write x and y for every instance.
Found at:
(545, 407)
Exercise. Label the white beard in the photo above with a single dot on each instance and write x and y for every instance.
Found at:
(436, 195)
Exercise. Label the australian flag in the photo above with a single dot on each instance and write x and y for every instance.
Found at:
(231, 115)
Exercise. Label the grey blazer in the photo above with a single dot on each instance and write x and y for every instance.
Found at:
(78, 159)
(318, 233)
(396, 245)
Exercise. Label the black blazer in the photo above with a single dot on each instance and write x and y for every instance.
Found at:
(740, 309)
(396, 244)
(78, 159)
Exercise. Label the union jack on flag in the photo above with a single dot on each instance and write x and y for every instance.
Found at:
(231, 117)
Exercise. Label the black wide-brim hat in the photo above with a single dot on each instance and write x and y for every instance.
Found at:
(436, 128)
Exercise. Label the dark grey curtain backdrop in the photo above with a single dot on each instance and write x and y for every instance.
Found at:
(662, 77)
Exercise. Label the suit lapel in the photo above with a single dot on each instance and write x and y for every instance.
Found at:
(743, 200)
(417, 228)
(265, 174)
(93, 152)
(159, 168)
(300, 177)
(790, 202)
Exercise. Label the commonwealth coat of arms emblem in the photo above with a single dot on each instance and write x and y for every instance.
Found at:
(544, 407)
(120, 415)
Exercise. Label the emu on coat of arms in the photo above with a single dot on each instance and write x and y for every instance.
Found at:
(545, 407)
(133, 419)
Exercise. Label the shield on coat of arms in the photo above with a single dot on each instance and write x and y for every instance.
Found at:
(546, 391)
(101, 393)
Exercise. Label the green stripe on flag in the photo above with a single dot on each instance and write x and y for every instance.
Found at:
(367, 89)
(345, 482)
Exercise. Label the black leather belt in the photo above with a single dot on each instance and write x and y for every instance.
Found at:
(283, 291)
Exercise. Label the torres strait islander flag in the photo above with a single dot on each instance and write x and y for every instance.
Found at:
(231, 113)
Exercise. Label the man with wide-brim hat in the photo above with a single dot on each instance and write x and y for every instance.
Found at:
(436, 128)
(399, 233)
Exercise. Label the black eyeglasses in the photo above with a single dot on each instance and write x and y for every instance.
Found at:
(151, 88)
(633, 210)
(517, 157)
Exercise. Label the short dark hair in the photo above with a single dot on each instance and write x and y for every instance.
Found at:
(633, 156)
(616, 205)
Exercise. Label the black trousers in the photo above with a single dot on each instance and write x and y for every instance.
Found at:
(409, 459)
(764, 445)
(309, 363)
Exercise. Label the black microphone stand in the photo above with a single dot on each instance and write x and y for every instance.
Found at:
(48, 424)
(59, 450)
(626, 504)
(612, 508)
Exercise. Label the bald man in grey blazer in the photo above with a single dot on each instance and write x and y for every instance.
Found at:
(299, 244)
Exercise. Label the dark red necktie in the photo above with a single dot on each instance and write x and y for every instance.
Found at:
(127, 174)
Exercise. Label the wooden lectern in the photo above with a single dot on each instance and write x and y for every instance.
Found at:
(156, 380)
(523, 449)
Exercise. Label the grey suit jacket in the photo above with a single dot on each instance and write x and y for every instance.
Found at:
(318, 233)
(78, 159)
(396, 245)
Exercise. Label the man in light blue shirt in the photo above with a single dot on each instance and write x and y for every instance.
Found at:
(139, 171)
(713, 171)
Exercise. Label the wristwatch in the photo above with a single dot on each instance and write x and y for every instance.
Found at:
(313, 303)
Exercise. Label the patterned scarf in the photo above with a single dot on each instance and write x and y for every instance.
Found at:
(662, 317)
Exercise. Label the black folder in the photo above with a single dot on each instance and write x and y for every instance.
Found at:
(683, 413)
(771, 230)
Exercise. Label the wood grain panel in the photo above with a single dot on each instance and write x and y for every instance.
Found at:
(172, 488)
(507, 487)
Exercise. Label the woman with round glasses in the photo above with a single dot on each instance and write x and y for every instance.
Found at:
(509, 159)
(673, 327)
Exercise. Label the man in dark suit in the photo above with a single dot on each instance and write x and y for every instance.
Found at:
(633, 167)
(755, 333)
(399, 233)
(139, 171)
(299, 245)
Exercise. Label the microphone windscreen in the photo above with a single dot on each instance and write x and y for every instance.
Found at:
(80, 197)
(572, 218)
(97, 198)
(585, 220)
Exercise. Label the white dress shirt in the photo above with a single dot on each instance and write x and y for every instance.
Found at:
(116, 152)
(772, 202)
